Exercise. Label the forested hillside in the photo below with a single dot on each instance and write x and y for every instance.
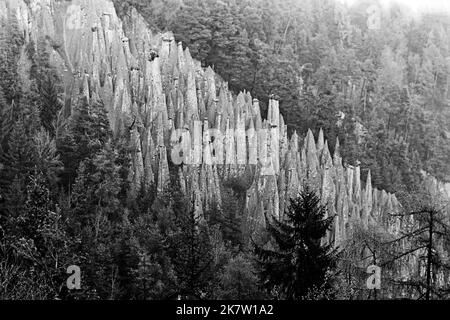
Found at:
(93, 95)
(323, 58)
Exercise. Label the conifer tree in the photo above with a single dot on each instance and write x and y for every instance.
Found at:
(11, 41)
(191, 254)
(45, 83)
(239, 280)
(96, 188)
(21, 155)
(35, 232)
(94, 217)
(153, 276)
(87, 132)
(298, 262)
(50, 104)
(6, 122)
(47, 159)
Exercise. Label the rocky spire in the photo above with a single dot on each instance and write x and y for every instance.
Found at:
(163, 170)
(312, 161)
(320, 142)
(137, 164)
(367, 201)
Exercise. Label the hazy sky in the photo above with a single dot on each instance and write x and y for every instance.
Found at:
(417, 5)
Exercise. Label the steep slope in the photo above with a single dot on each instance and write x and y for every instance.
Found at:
(169, 97)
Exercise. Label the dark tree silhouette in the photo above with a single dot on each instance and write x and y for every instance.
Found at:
(298, 262)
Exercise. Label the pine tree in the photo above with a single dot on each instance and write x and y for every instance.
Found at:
(50, 104)
(239, 280)
(87, 132)
(45, 83)
(6, 123)
(47, 160)
(11, 40)
(298, 263)
(35, 232)
(28, 108)
(95, 217)
(191, 255)
(96, 189)
(153, 276)
(228, 216)
(21, 154)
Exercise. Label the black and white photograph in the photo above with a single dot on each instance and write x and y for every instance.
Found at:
(224, 150)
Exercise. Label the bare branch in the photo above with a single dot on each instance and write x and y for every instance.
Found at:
(404, 254)
(409, 235)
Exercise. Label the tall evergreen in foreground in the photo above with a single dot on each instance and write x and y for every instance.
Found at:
(192, 255)
(298, 263)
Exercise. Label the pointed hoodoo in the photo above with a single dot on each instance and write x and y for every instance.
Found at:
(328, 186)
(257, 115)
(327, 161)
(357, 186)
(86, 87)
(149, 155)
(206, 144)
(255, 107)
(240, 103)
(294, 142)
(252, 144)
(282, 123)
(197, 142)
(230, 154)
(181, 58)
(311, 151)
(368, 198)
(274, 112)
(126, 101)
(312, 162)
(165, 48)
(337, 159)
(190, 67)
(320, 142)
(159, 130)
(163, 170)
(138, 163)
(369, 183)
(240, 138)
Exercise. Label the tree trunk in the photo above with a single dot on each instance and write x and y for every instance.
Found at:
(430, 246)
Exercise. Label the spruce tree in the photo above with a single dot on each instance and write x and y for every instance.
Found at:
(87, 132)
(21, 155)
(50, 104)
(298, 262)
(45, 82)
(239, 280)
(94, 218)
(95, 191)
(11, 41)
(191, 254)
(153, 276)
(6, 122)
(35, 233)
